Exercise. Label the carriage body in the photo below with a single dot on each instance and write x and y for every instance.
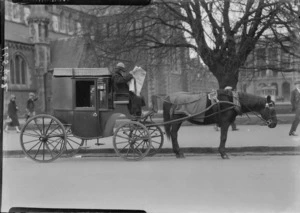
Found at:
(84, 98)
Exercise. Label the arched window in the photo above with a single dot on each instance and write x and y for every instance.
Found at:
(55, 23)
(71, 25)
(78, 28)
(26, 14)
(276, 86)
(18, 70)
(16, 13)
(62, 23)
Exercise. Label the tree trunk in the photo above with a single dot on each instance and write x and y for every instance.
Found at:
(226, 76)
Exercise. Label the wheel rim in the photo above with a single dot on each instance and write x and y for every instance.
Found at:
(43, 138)
(73, 143)
(132, 141)
(157, 139)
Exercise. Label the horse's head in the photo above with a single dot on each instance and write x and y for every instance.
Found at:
(269, 113)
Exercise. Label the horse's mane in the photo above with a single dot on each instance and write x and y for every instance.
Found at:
(251, 101)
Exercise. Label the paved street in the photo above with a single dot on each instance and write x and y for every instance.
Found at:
(206, 183)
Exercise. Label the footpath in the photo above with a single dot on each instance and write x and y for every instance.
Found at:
(251, 138)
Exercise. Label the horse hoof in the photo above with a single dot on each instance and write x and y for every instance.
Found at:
(181, 155)
(225, 156)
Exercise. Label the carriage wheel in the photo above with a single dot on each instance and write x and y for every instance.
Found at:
(73, 143)
(132, 141)
(157, 139)
(43, 138)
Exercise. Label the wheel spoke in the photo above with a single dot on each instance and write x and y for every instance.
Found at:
(37, 126)
(32, 135)
(38, 150)
(120, 136)
(33, 146)
(49, 126)
(49, 150)
(31, 141)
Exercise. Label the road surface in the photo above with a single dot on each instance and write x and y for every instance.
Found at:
(157, 185)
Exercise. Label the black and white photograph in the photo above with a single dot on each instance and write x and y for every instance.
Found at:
(150, 106)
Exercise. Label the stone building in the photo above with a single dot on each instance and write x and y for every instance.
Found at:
(269, 65)
(43, 37)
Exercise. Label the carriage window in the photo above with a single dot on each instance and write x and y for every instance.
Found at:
(85, 93)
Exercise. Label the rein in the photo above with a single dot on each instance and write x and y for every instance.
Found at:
(199, 113)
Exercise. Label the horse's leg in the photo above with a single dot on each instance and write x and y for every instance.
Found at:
(224, 131)
(174, 136)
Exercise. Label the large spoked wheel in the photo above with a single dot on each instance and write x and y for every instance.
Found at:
(157, 139)
(43, 138)
(73, 143)
(132, 141)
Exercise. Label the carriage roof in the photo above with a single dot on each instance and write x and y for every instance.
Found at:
(81, 72)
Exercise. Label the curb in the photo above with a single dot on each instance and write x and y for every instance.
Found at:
(254, 150)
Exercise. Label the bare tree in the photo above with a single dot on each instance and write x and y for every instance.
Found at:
(222, 32)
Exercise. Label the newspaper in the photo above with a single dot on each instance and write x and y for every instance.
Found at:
(136, 84)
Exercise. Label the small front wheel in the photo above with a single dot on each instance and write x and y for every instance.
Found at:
(43, 138)
(132, 141)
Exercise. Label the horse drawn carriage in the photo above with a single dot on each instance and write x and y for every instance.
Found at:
(86, 108)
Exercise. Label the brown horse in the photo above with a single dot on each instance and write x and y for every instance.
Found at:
(223, 115)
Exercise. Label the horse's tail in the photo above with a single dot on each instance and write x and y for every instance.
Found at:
(167, 117)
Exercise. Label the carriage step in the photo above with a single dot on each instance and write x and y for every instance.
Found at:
(84, 147)
(99, 144)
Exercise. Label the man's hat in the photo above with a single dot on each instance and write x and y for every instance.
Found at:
(31, 94)
(120, 64)
(228, 88)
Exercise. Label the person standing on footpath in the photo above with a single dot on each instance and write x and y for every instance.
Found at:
(295, 101)
(12, 115)
(233, 124)
(30, 107)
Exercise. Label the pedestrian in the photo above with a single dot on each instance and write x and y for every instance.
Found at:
(233, 124)
(12, 114)
(30, 106)
(295, 101)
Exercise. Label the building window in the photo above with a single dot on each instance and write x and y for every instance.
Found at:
(273, 57)
(26, 14)
(18, 70)
(8, 10)
(55, 23)
(261, 58)
(16, 13)
(175, 61)
(71, 26)
(285, 59)
(62, 23)
(108, 30)
(78, 28)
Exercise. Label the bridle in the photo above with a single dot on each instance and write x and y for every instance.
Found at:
(270, 116)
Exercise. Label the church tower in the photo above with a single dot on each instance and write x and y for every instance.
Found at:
(38, 29)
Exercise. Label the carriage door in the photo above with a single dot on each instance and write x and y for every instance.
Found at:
(85, 119)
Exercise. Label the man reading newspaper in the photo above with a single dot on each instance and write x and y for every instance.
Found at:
(127, 87)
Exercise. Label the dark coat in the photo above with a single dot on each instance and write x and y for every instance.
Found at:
(12, 113)
(30, 104)
(120, 81)
(295, 99)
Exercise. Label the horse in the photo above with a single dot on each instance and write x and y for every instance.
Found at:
(223, 114)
